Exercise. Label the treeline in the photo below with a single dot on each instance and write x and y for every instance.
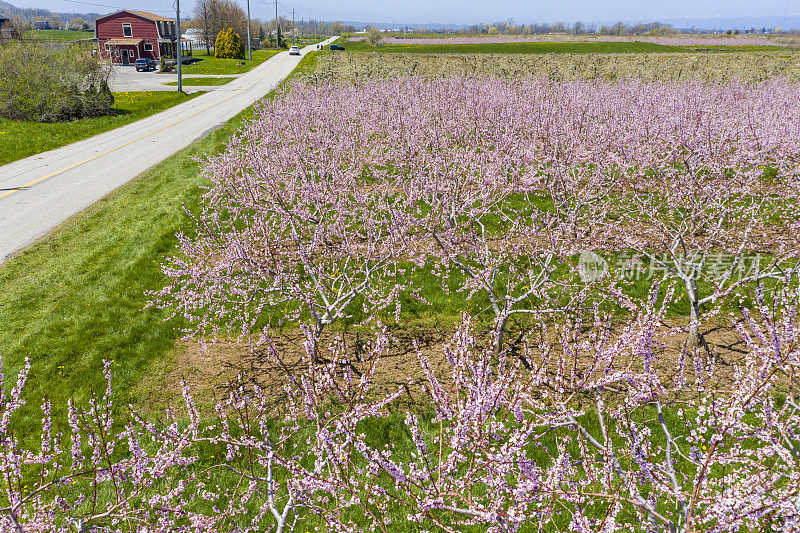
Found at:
(210, 17)
(578, 28)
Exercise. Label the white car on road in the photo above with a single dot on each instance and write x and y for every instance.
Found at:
(294, 51)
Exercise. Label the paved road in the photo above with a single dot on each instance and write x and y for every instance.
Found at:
(42, 191)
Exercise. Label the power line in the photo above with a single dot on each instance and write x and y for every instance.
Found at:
(91, 4)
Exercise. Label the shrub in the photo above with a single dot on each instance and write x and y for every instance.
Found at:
(69, 83)
(229, 45)
(374, 36)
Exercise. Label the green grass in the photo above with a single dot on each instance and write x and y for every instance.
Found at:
(59, 35)
(630, 47)
(213, 65)
(20, 139)
(78, 296)
(203, 82)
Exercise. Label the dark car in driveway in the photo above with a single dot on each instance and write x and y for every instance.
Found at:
(337, 47)
(145, 64)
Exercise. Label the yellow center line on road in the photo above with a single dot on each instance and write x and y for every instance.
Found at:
(34, 182)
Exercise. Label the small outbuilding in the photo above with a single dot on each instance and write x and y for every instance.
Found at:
(125, 36)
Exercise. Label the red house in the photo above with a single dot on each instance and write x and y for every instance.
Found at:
(126, 36)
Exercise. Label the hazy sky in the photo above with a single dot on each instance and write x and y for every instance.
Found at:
(458, 11)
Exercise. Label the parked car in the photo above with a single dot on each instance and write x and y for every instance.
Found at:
(337, 47)
(294, 51)
(145, 64)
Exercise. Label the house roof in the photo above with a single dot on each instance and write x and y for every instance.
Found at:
(151, 16)
(143, 14)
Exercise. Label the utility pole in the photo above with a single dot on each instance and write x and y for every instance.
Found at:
(277, 28)
(249, 41)
(292, 27)
(178, 43)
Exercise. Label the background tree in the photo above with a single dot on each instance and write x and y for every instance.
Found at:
(374, 36)
(214, 16)
(77, 24)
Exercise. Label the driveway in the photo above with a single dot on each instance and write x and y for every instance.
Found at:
(125, 79)
(42, 191)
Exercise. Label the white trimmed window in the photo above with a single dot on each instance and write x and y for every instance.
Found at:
(127, 29)
(108, 47)
(148, 47)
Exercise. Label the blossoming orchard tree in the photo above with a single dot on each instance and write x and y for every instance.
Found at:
(286, 228)
(512, 244)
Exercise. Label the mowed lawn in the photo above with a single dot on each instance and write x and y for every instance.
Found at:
(215, 65)
(202, 82)
(20, 139)
(629, 47)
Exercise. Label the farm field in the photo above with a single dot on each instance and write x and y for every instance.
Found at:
(215, 65)
(753, 66)
(93, 274)
(59, 35)
(678, 39)
(20, 139)
(517, 292)
(563, 47)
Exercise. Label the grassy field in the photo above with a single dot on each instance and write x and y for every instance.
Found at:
(19, 139)
(195, 82)
(213, 65)
(632, 47)
(59, 35)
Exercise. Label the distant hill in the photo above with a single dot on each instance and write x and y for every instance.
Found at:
(10, 10)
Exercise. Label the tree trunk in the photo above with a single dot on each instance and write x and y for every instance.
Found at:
(500, 330)
(696, 337)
